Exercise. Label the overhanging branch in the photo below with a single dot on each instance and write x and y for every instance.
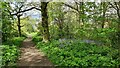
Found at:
(113, 6)
(38, 9)
(71, 7)
(26, 10)
(116, 5)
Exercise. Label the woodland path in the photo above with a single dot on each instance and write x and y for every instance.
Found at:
(31, 57)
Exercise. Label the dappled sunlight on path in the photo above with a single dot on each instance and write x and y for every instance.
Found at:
(30, 56)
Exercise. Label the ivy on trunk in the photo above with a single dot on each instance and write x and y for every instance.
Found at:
(46, 35)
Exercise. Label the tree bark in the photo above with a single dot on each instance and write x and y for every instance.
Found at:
(46, 35)
(82, 11)
(118, 12)
(60, 30)
(19, 27)
(104, 11)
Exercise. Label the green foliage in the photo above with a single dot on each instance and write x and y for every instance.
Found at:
(115, 39)
(9, 55)
(10, 51)
(33, 34)
(37, 38)
(65, 22)
(28, 23)
(79, 54)
(15, 41)
(7, 21)
(101, 34)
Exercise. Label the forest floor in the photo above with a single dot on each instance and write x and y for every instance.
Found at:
(30, 56)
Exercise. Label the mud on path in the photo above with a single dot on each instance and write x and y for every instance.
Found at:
(31, 57)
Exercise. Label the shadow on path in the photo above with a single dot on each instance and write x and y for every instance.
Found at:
(30, 56)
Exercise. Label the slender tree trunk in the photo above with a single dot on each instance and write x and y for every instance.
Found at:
(79, 19)
(60, 31)
(103, 21)
(81, 13)
(46, 35)
(19, 26)
(104, 11)
(67, 30)
(118, 13)
(60, 25)
(82, 9)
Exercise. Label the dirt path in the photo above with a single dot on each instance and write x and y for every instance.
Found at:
(32, 57)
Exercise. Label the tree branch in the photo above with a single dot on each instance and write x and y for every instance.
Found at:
(23, 11)
(113, 6)
(21, 7)
(116, 5)
(38, 9)
(70, 11)
(71, 7)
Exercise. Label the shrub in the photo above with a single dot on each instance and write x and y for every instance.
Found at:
(79, 54)
(10, 51)
(115, 39)
(9, 55)
(37, 39)
(14, 41)
(17, 40)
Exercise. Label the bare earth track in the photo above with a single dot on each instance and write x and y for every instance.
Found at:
(32, 57)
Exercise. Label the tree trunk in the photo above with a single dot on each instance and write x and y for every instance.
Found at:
(79, 19)
(118, 13)
(46, 36)
(104, 11)
(19, 27)
(81, 13)
(60, 25)
(82, 9)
